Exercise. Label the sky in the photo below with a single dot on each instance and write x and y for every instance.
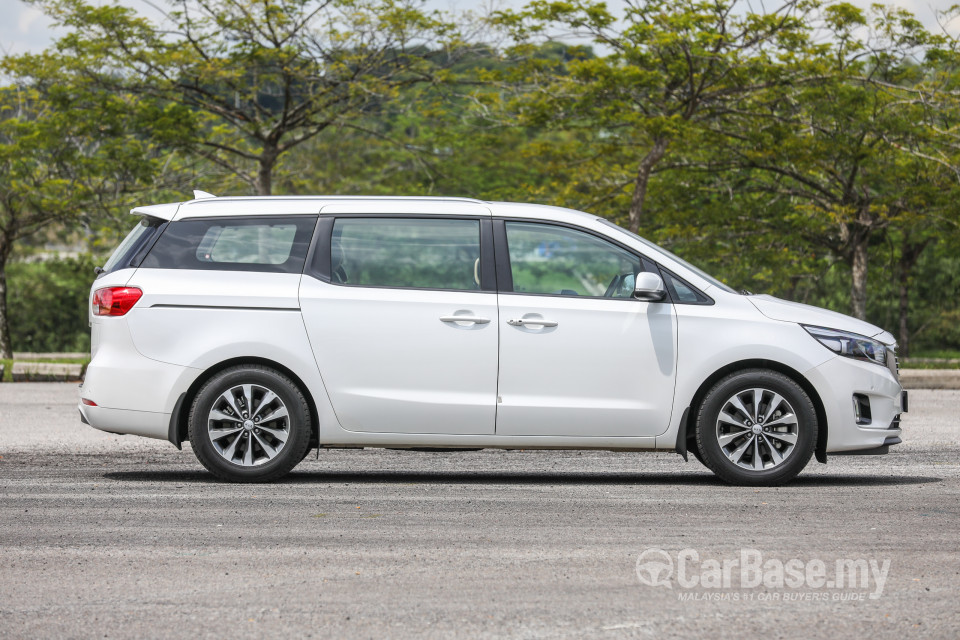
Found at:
(24, 28)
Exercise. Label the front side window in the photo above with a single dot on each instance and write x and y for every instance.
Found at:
(547, 259)
(703, 274)
(271, 244)
(681, 292)
(408, 252)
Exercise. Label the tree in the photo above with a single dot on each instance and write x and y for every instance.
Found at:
(833, 144)
(67, 155)
(246, 81)
(673, 67)
(51, 171)
(928, 209)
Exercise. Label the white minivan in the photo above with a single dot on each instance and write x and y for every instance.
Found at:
(260, 328)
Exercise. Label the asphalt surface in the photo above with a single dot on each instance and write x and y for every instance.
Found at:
(108, 536)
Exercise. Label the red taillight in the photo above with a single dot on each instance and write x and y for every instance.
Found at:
(115, 301)
(88, 402)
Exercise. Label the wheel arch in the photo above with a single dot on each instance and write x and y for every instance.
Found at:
(178, 433)
(688, 433)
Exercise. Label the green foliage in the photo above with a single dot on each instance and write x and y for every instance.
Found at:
(675, 69)
(48, 305)
(68, 154)
(810, 151)
(240, 84)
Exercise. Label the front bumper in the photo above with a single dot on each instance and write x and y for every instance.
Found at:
(837, 381)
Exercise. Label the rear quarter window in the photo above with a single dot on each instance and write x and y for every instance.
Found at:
(130, 252)
(272, 244)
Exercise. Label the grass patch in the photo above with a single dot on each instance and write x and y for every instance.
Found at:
(949, 354)
(909, 363)
(8, 364)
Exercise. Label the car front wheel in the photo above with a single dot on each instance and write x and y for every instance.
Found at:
(756, 427)
(249, 424)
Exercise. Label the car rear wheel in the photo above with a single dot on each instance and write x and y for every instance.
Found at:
(249, 423)
(756, 427)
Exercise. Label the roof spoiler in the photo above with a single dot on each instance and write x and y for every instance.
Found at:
(162, 211)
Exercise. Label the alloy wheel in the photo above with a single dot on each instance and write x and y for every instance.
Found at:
(757, 429)
(248, 425)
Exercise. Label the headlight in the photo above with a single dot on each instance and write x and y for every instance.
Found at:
(851, 345)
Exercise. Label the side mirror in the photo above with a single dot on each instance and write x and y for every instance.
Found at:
(649, 287)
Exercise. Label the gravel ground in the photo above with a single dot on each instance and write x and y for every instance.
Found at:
(108, 536)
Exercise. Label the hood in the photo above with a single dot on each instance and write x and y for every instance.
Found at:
(786, 311)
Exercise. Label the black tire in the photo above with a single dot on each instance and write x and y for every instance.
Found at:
(757, 444)
(696, 454)
(260, 438)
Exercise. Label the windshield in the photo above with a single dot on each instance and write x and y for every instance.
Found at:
(703, 274)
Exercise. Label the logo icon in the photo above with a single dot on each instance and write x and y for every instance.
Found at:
(655, 568)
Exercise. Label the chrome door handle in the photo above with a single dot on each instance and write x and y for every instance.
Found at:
(528, 322)
(472, 319)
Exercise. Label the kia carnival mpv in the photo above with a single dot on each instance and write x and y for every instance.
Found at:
(261, 328)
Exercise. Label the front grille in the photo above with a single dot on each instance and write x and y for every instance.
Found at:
(894, 363)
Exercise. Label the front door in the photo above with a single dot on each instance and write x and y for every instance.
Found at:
(579, 356)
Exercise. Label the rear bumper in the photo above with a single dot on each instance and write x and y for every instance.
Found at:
(130, 392)
(123, 421)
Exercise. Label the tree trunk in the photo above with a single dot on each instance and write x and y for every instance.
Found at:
(904, 306)
(268, 159)
(856, 238)
(909, 255)
(858, 272)
(639, 198)
(6, 349)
